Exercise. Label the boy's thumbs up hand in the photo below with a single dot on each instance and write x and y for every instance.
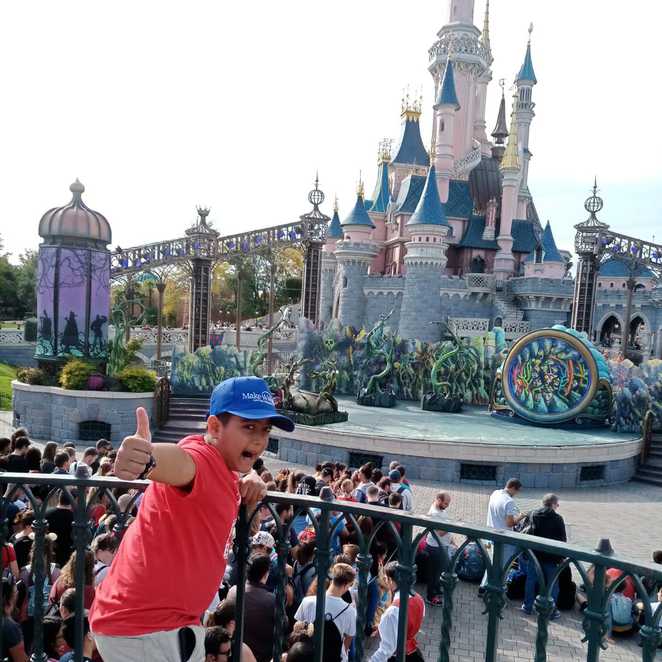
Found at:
(136, 450)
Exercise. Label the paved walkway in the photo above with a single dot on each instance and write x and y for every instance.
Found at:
(629, 515)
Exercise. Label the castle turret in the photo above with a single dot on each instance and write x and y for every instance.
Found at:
(504, 261)
(354, 254)
(482, 82)
(445, 108)
(329, 266)
(410, 155)
(526, 79)
(500, 132)
(545, 261)
(425, 261)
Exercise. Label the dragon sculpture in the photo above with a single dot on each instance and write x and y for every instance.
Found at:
(306, 402)
(260, 353)
(378, 391)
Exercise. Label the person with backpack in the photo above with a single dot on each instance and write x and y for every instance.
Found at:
(438, 548)
(388, 625)
(303, 571)
(339, 616)
(545, 523)
(400, 488)
(365, 481)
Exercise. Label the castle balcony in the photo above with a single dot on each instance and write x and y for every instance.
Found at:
(480, 282)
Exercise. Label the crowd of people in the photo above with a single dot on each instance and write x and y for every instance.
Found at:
(265, 583)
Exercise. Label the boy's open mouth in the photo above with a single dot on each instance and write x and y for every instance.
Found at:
(248, 455)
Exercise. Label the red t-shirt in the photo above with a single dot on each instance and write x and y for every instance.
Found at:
(629, 590)
(415, 616)
(8, 554)
(172, 558)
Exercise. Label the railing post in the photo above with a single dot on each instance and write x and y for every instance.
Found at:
(406, 572)
(494, 601)
(448, 583)
(323, 558)
(545, 605)
(38, 572)
(283, 548)
(595, 615)
(364, 561)
(241, 558)
(80, 536)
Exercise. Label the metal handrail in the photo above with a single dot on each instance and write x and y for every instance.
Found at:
(407, 530)
(647, 436)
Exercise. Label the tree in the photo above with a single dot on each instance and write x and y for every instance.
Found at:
(9, 301)
(26, 282)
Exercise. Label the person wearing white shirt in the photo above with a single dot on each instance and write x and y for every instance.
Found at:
(388, 625)
(503, 514)
(437, 550)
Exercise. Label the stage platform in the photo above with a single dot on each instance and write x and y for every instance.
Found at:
(471, 445)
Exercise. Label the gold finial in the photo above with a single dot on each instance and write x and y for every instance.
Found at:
(411, 109)
(360, 191)
(384, 150)
(510, 159)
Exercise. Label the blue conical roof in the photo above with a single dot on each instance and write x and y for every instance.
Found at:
(526, 73)
(358, 215)
(429, 210)
(549, 246)
(382, 194)
(411, 150)
(335, 230)
(447, 94)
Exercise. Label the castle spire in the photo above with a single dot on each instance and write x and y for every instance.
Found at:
(526, 73)
(447, 93)
(500, 132)
(429, 210)
(485, 36)
(510, 159)
(411, 150)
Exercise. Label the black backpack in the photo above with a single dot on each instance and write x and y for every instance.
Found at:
(333, 639)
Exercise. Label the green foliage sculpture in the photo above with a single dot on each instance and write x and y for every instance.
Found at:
(120, 352)
(260, 354)
(377, 367)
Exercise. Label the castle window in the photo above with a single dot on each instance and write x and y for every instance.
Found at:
(623, 285)
(427, 239)
(344, 281)
(611, 284)
(539, 255)
(599, 284)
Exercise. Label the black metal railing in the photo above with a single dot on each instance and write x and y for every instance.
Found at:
(325, 517)
(162, 401)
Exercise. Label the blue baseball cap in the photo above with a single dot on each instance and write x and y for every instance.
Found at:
(248, 397)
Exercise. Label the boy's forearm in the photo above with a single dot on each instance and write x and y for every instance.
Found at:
(174, 466)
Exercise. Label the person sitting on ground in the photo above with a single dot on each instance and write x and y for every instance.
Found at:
(62, 463)
(218, 644)
(338, 614)
(48, 458)
(545, 523)
(259, 608)
(13, 647)
(104, 548)
(225, 617)
(402, 490)
(16, 461)
(388, 625)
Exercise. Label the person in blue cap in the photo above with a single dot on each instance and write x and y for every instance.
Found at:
(172, 558)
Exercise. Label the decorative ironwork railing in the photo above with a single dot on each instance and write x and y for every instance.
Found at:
(326, 517)
(11, 337)
(469, 161)
(168, 336)
(468, 327)
(480, 282)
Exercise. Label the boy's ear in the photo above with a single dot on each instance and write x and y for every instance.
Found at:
(214, 426)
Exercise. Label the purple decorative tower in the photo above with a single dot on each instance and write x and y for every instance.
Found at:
(73, 282)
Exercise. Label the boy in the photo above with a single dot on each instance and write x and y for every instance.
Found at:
(172, 558)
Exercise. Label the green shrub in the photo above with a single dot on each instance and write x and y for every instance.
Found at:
(137, 380)
(30, 330)
(34, 376)
(75, 374)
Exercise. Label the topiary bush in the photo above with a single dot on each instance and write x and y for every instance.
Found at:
(75, 374)
(30, 330)
(33, 376)
(136, 379)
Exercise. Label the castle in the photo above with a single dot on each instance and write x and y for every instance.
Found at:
(453, 234)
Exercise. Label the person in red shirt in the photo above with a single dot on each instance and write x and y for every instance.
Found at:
(388, 625)
(142, 612)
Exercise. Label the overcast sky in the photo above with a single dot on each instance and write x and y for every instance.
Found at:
(158, 106)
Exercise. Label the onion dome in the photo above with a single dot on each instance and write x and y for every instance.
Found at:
(485, 182)
(75, 222)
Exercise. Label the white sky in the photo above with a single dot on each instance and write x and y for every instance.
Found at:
(158, 106)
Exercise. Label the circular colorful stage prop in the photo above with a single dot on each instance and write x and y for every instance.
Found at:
(549, 377)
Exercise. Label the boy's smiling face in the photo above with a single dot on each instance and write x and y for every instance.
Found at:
(240, 441)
